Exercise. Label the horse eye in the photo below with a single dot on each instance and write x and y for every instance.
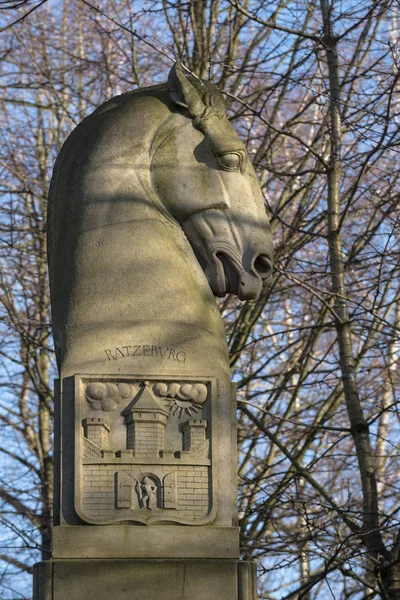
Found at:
(230, 161)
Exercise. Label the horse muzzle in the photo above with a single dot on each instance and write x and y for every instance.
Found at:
(235, 258)
(227, 273)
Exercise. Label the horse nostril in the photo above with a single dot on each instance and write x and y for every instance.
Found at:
(262, 265)
(231, 275)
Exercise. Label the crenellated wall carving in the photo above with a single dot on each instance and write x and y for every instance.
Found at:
(143, 450)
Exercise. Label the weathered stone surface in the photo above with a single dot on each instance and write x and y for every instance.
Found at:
(140, 465)
(154, 207)
(102, 463)
(135, 580)
(130, 541)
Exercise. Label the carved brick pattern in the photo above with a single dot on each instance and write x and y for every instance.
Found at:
(90, 450)
(99, 491)
(193, 494)
(136, 442)
(194, 433)
(196, 437)
(146, 438)
(202, 450)
(97, 431)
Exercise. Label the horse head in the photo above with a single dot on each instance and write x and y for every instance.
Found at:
(213, 192)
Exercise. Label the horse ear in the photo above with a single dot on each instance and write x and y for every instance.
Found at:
(183, 93)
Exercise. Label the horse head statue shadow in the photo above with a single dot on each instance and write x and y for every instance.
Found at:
(143, 175)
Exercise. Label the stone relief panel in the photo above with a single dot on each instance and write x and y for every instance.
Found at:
(144, 450)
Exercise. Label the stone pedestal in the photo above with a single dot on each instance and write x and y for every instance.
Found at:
(150, 579)
(154, 207)
(145, 491)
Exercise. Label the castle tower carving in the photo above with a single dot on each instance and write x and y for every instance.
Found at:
(97, 430)
(145, 419)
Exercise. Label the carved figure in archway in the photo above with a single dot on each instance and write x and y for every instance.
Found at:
(147, 491)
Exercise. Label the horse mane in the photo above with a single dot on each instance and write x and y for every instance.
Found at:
(111, 104)
(211, 99)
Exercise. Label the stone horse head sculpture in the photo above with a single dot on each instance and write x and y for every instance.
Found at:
(154, 205)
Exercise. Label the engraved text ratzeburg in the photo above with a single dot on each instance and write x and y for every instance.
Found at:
(146, 350)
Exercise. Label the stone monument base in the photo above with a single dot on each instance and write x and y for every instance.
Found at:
(135, 579)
